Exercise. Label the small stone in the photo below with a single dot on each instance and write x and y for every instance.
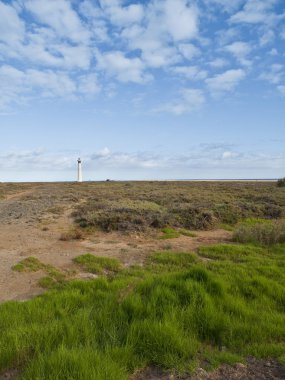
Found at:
(240, 366)
(201, 372)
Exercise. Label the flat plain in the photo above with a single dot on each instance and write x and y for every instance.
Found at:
(187, 280)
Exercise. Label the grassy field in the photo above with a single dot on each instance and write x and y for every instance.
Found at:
(181, 311)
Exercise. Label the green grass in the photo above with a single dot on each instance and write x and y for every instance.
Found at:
(181, 311)
(31, 264)
(188, 233)
(169, 233)
(95, 264)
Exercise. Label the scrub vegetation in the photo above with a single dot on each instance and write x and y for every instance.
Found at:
(281, 182)
(178, 312)
(139, 206)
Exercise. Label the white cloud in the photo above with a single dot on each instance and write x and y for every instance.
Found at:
(225, 82)
(190, 100)
(12, 28)
(274, 75)
(255, 12)
(229, 155)
(164, 36)
(218, 63)
(62, 46)
(189, 51)
(88, 84)
(22, 86)
(181, 19)
(59, 15)
(122, 15)
(281, 89)
(238, 48)
(240, 51)
(105, 159)
(115, 63)
(191, 72)
(267, 38)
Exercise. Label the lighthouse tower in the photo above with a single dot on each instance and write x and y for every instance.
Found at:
(79, 171)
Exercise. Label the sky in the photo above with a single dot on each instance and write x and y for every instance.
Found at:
(157, 89)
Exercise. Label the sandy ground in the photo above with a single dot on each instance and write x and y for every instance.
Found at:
(31, 222)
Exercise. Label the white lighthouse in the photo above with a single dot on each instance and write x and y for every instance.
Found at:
(79, 170)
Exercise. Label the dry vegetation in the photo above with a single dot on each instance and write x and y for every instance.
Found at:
(138, 206)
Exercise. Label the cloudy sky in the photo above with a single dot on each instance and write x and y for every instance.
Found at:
(142, 89)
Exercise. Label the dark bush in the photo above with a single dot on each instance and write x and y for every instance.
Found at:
(281, 182)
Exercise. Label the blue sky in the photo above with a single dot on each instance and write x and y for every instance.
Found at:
(158, 89)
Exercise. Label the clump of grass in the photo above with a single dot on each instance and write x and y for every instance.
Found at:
(226, 227)
(29, 264)
(169, 233)
(32, 264)
(254, 221)
(268, 233)
(235, 253)
(57, 210)
(188, 233)
(172, 260)
(95, 264)
(72, 234)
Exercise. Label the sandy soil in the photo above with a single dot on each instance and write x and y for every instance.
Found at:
(31, 222)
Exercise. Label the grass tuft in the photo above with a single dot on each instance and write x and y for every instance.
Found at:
(95, 264)
(169, 233)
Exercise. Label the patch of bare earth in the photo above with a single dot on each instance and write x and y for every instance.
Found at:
(12, 374)
(253, 370)
(32, 220)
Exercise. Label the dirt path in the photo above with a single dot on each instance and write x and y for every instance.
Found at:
(31, 222)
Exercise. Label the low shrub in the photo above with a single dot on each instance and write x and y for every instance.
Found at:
(267, 233)
(281, 182)
(73, 234)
